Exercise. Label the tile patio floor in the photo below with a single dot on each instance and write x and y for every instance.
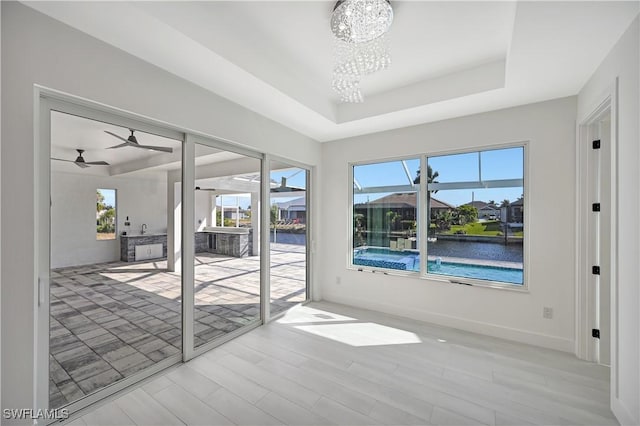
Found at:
(111, 320)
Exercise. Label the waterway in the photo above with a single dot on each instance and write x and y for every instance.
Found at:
(442, 248)
(471, 250)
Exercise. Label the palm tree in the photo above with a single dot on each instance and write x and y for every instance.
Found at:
(431, 178)
(505, 203)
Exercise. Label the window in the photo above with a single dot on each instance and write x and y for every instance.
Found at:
(385, 215)
(105, 214)
(476, 209)
(472, 216)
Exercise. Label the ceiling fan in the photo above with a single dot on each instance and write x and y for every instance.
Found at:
(133, 142)
(80, 162)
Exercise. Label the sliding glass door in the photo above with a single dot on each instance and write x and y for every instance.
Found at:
(151, 248)
(289, 202)
(115, 308)
(226, 284)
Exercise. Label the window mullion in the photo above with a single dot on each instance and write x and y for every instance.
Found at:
(424, 219)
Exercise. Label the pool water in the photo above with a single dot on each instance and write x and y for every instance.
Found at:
(481, 272)
(408, 260)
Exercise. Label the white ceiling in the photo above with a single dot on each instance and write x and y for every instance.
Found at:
(69, 133)
(449, 58)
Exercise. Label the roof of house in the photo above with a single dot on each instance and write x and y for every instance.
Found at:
(403, 200)
(477, 204)
(297, 202)
(437, 204)
(489, 207)
(518, 202)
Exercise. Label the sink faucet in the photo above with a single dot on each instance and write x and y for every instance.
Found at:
(144, 228)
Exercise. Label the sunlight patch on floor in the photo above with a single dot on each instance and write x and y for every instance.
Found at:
(306, 315)
(362, 334)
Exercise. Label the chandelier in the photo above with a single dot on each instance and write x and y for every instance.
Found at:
(359, 27)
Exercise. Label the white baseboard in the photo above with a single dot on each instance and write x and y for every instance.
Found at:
(623, 415)
(517, 335)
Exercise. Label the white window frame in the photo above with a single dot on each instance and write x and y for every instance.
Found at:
(421, 213)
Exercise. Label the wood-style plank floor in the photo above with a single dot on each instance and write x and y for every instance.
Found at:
(331, 364)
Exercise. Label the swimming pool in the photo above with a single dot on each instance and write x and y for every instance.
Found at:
(409, 260)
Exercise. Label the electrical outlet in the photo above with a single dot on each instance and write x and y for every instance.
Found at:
(338, 280)
(547, 312)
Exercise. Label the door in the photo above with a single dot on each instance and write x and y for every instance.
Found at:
(600, 243)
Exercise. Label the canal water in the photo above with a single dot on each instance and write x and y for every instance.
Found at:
(473, 250)
(442, 248)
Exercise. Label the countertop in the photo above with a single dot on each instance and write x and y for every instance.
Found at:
(142, 236)
(225, 230)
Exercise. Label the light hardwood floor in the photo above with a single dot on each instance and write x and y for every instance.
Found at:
(331, 364)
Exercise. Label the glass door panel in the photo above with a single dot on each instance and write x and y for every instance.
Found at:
(227, 243)
(115, 307)
(288, 236)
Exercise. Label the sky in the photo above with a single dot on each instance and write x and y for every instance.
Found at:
(496, 164)
(109, 196)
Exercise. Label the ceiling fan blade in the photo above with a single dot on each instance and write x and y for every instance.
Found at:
(62, 159)
(97, 163)
(81, 165)
(155, 148)
(121, 145)
(116, 136)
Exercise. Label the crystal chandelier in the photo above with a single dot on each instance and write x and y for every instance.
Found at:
(361, 47)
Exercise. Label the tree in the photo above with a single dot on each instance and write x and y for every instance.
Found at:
(505, 203)
(100, 206)
(358, 225)
(467, 214)
(392, 220)
(444, 220)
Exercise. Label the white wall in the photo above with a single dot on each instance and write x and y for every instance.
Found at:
(622, 63)
(201, 209)
(39, 50)
(550, 128)
(73, 222)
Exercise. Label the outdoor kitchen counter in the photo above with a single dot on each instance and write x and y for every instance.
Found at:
(150, 246)
(236, 242)
(228, 241)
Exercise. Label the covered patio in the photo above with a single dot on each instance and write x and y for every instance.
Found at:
(111, 320)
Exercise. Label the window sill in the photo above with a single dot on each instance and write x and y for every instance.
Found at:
(443, 279)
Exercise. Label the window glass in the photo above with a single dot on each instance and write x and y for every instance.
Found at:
(385, 200)
(105, 214)
(476, 227)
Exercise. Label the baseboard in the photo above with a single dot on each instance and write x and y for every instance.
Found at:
(622, 413)
(493, 330)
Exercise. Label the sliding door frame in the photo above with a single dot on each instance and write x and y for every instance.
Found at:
(188, 256)
(47, 100)
(309, 240)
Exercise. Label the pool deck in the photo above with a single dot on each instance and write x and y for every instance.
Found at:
(478, 262)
